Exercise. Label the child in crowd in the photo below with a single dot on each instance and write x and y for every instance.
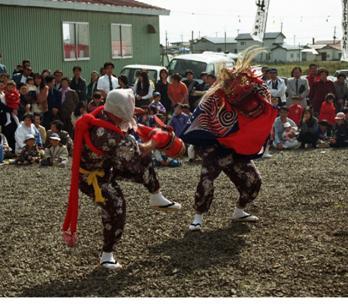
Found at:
(12, 98)
(328, 109)
(340, 138)
(179, 120)
(31, 84)
(65, 139)
(80, 110)
(56, 154)
(289, 135)
(157, 105)
(96, 101)
(323, 134)
(30, 154)
(296, 110)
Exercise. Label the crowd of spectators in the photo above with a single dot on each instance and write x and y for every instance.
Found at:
(38, 111)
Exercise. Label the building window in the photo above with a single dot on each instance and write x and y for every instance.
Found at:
(242, 43)
(76, 41)
(291, 55)
(121, 40)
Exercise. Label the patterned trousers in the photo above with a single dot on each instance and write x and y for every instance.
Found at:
(140, 170)
(242, 173)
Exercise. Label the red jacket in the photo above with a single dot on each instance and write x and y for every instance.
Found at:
(318, 92)
(295, 113)
(12, 99)
(328, 112)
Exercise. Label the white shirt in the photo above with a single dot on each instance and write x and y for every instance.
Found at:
(23, 79)
(104, 84)
(280, 91)
(21, 132)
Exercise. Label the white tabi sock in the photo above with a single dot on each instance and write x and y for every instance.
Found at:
(107, 257)
(238, 213)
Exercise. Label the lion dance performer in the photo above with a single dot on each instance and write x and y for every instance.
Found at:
(229, 128)
(104, 151)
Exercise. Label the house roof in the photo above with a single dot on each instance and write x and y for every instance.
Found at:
(269, 35)
(219, 40)
(288, 47)
(323, 46)
(112, 6)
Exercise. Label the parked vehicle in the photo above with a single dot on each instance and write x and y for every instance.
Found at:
(210, 63)
(345, 72)
(131, 70)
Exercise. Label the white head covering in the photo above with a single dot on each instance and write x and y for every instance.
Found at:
(121, 103)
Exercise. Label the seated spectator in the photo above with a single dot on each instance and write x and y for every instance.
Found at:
(25, 128)
(324, 134)
(340, 138)
(37, 123)
(157, 105)
(296, 110)
(279, 129)
(289, 136)
(309, 129)
(80, 110)
(56, 154)
(177, 91)
(179, 120)
(96, 101)
(30, 153)
(5, 150)
(328, 110)
(65, 139)
(123, 82)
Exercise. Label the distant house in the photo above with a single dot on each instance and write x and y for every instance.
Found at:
(270, 41)
(286, 53)
(323, 50)
(214, 44)
(62, 34)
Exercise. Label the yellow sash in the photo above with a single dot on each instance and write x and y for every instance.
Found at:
(92, 179)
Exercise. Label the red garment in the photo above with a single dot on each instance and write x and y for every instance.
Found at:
(295, 113)
(12, 99)
(312, 79)
(328, 112)
(318, 93)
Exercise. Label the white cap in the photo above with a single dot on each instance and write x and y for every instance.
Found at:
(29, 136)
(121, 103)
(287, 125)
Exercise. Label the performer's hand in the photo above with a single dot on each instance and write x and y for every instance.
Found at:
(147, 147)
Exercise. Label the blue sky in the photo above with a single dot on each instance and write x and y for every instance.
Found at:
(302, 19)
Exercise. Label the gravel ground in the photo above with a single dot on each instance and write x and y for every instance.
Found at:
(299, 248)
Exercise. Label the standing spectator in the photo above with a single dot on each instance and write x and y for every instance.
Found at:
(37, 124)
(45, 73)
(65, 139)
(27, 100)
(21, 78)
(69, 101)
(211, 78)
(328, 110)
(41, 94)
(277, 87)
(312, 75)
(179, 120)
(56, 154)
(341, 92)
(340, 138)
(25, 128)
(319, 90)
(309, 129)
(58, 75)
(30, 152)
(296, 110)
(279, 129)
(108, 81)
(96, 102)
(191, 85)
(297, 86)
(92, 86)
(177, 91)
(265, 73)
(3, 69)
(78, 84)
(143, 89)
(123, 82)
(162, 88)
(53, 102)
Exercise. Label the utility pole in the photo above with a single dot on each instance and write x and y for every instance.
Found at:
(166, 48)
(294, 40)
(191, 44)
(225, 42)
(281, 27)
(334, 36)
